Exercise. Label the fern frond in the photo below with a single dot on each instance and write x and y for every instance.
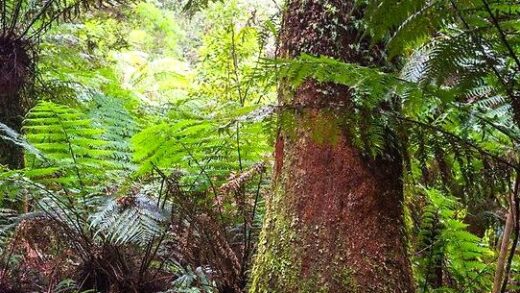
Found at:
(445, 241)
(119, 126)
(29, 19)
(69, 140)
(132, 219)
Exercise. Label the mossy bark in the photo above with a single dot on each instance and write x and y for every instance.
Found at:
(334, 222)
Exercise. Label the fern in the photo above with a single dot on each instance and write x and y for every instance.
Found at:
(444, 244)
(28, 19)
(192, 281)
(458, 44)
(129, 220)
(205, 149)
(119, 126)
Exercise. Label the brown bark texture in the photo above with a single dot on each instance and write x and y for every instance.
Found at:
(334, 222)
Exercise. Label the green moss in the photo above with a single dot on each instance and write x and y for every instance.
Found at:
(287, 122)
(277, 259)
(324, 128)
(278, 265)
(344, 278)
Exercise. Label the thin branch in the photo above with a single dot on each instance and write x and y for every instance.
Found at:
(460, 140)
(502, 35)
(483, 51)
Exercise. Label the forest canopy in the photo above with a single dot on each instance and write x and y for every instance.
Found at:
(163, 146)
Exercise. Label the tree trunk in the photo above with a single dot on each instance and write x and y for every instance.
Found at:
(334, 221)
(504, 250)
(16, 69)
(11, 114)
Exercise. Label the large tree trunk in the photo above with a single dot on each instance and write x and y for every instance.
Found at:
(334, 221)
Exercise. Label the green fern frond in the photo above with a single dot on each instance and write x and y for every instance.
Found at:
(444, 241)
(119, 126)
(203, 147)
(133, 219)
(68, 139)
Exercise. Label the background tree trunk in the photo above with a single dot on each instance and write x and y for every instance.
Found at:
(334, 221)
(504, 250)
(16, 69)
(11, 114)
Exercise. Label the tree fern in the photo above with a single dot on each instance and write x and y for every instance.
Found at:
(462, 45)
(77, 152)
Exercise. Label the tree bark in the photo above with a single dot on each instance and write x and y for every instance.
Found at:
(334, 222)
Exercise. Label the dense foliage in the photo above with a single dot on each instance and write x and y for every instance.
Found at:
(148, 140)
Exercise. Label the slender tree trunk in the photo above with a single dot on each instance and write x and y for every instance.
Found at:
(504, 249)
(334, 221)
